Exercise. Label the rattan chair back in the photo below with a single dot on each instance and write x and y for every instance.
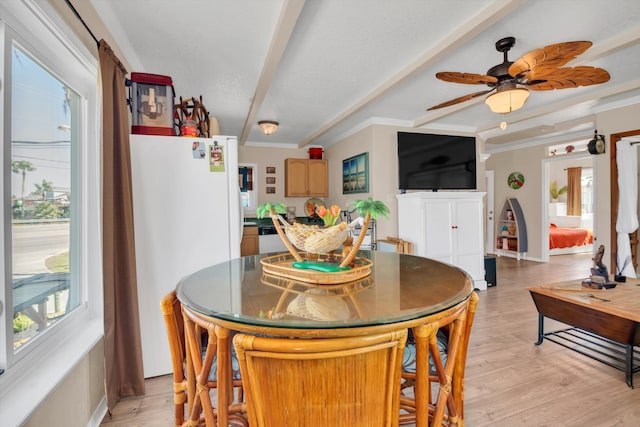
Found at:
(446, 382)
(174, 325)
(202, 363)
(350, 381)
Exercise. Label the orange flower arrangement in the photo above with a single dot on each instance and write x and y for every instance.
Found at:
(329, 216)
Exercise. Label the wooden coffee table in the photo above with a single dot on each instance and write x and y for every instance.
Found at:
(604, 326)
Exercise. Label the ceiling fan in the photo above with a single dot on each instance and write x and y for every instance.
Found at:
(539, 69)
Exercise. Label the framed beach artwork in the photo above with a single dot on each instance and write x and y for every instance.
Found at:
(355, 174)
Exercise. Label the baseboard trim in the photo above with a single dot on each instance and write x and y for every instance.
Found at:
(98, 414)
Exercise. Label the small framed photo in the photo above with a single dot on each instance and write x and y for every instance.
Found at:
(271, 180)
(271, 169)
(271, 190)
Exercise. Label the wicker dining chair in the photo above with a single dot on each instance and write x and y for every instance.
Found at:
(174, 324)
(348, 381)
(448, 337)
(202, 351)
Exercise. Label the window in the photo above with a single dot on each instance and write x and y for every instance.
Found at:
(51, 292)
(586, 182)
(44, 272)
(247, 180)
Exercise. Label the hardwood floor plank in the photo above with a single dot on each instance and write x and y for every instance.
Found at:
(509, 380)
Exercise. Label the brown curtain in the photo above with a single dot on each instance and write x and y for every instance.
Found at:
(123, 353)
(574, 191)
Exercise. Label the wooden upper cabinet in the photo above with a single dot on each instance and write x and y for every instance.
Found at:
(318, 178)
(306, 178)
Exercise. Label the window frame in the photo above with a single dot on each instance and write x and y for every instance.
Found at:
(35, 370)
(253, 194)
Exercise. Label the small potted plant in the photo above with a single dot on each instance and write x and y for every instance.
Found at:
(555, 192)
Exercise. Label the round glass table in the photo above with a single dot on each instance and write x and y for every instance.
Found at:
(402, 291)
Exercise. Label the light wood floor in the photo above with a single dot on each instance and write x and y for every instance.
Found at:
(509, 381)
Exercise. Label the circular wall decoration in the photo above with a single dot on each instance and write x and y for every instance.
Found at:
(515, 180)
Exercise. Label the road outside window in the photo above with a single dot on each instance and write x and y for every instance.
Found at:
(44, 112)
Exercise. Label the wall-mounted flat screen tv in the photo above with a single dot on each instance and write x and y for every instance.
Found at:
(436, 162)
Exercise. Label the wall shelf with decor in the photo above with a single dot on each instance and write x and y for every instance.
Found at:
(511, 238)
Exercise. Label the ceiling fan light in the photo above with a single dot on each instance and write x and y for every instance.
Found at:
(268, 126)
(507, 100)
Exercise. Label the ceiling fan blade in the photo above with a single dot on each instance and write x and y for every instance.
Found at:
(552, 56)
(563, 78)
(466, 78)
(460, 99)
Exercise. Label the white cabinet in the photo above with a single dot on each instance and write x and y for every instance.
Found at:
(447, 227)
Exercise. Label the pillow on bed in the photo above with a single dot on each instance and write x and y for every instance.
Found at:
(568, 221)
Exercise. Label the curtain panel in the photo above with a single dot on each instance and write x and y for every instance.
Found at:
(627, 220)
(574, 191)
(123, 352)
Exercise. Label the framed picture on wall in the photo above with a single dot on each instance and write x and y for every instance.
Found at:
(355, 174)
(271, 190)
(271, 180)
(271, 169)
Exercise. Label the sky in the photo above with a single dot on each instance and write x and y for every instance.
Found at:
(39, 117)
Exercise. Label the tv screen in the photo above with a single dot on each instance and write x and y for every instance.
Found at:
(436, 162)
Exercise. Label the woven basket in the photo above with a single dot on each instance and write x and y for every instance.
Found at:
(318, 305)
(315, 239)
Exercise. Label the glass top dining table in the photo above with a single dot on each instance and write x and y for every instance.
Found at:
(401, 292)
(400, 288)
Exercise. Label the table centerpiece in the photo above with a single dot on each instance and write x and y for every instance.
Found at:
(312, 247)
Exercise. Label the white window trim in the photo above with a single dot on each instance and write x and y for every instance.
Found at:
(254, 193)
(32, 376)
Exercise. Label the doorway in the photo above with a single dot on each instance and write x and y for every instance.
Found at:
(615, 196)
(489, 241)
(554, 169)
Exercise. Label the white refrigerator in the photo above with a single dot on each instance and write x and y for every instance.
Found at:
(187, 215)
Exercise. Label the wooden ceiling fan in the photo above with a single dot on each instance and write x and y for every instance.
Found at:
(539, 69)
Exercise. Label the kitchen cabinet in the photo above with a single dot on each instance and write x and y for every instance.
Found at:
(249, 244)
(512, 230)
(306, 178)
(447, 227)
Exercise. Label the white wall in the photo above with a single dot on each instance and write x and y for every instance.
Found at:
(274, 157)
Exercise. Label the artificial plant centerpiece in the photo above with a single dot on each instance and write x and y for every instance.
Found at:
(315, 239)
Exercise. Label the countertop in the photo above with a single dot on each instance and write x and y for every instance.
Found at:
(265, 222)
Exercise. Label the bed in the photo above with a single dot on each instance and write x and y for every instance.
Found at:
(563, 237)
(566, 236)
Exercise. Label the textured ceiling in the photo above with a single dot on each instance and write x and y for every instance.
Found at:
(325, 69)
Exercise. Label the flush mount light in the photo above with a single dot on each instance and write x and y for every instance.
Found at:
(507, 98)
(268, 126)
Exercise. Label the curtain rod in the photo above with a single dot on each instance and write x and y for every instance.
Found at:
(75, 12)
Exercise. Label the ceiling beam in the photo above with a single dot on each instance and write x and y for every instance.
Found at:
(491, 14)
(289, 15)
(621, 41)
